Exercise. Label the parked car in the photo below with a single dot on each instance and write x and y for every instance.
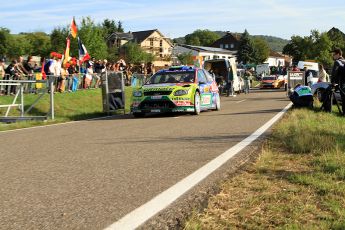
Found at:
(177, 89)
(272, 81)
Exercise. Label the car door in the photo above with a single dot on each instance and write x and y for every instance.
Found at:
(205, 90)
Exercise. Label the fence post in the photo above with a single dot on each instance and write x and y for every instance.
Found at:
(21, 100)
(51, 86)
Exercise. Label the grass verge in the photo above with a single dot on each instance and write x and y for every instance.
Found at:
(79, 105)
(297, 183)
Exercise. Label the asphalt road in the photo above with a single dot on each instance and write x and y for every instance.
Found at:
(89, 174)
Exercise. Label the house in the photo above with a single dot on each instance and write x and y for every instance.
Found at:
(152, 41)
(276, 59)
(201, 53)
(230, 41)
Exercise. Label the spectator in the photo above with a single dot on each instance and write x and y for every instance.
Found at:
(12, 73)
(88, 77)
(308, 76)
(29, 68)
(338, 74)
(150, 70)
(323, 76)
(21, 69)
(247, 77)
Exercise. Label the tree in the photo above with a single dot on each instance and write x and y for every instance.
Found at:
(5, 41)
(186, 58)
(109, 27)
(262, 50)
(93, 38)
(201, 38)
(133, 53)
(316, 47)
(246, 51)
(39, 44)
(120, 27)
(58, 39)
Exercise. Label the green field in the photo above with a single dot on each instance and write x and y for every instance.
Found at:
(79, 105)
(298, 182)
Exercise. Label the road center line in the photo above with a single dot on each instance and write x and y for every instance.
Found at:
(240, 101)
(143, 213)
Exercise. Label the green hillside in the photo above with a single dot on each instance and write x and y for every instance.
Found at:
(275, 43)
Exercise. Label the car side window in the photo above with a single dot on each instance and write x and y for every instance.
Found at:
(208, 76)
(201, 76)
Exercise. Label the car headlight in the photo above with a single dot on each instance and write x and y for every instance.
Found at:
(137, 93)
(180, 92)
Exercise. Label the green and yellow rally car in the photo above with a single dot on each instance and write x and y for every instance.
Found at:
(177, 89)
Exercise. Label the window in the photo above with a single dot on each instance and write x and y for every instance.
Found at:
(226, 46)
(232, 45)
(201, 76)
(221, 46)
(224, 57)
(151, 41)
(161, 43)
(215, 56)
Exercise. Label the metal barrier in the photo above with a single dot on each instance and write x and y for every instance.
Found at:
(70, 82)
(12, 85)
(113, 91)
(294, 78)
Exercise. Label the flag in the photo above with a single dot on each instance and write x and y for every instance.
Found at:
(83, 54)
(74, 29)
(66, 56)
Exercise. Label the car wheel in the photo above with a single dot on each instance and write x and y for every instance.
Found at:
(197, 107)
(318, 95)
(139, 115)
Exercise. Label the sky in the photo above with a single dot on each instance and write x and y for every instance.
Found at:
(176, 18)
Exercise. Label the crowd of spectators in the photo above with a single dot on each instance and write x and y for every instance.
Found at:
(68, 75)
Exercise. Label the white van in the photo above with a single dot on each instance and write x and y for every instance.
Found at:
(226, 70)
(313, 67)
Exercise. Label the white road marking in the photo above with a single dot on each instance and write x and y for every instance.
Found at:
(57, 124)
(143, 213)
(240, 101)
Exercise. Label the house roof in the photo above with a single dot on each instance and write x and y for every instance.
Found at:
(276, 54)
(209, 49)
(138, 36)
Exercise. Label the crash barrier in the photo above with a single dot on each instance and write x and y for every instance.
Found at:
(294, 78)
(69, 82)
(113, 91)
(16, 87)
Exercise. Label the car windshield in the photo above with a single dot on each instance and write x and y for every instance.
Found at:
(172, 77)
(269, 78)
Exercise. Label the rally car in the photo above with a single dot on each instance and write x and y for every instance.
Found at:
(272, 82)
(177, 89)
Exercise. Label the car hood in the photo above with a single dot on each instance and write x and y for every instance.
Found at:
(164, 87)
(268, 81)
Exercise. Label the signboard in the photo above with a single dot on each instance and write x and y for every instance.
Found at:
(113, 91)
(294, 78)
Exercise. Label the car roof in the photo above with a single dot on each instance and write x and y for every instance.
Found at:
(179, 69)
